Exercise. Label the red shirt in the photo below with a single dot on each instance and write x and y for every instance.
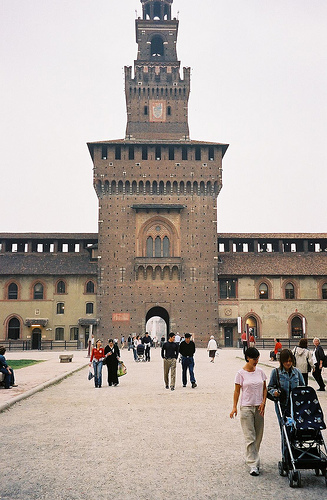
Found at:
(243, 337)
(278, 347)
(97, 354)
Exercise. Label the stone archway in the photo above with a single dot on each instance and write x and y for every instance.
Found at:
(156, 314)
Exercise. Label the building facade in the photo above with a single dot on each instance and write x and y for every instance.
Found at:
(157, 253)
(274, 283)
(49, 285)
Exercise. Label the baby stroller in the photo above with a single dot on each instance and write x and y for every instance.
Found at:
(140, 352)
(302, 441)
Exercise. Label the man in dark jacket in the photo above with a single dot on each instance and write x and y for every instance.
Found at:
(318, 356)
(187, 350)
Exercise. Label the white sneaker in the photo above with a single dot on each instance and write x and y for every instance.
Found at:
(254, 471)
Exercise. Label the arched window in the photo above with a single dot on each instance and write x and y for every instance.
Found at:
(324, 291)
(12, 291)
(38, 291)
(61, 287)
(149, 247)
(60, 308)
(297, 327)
(14, 329)
(289, 291)
(166, 246)
(157, 46)
(157, 247)
(263, 291)
(90, 287)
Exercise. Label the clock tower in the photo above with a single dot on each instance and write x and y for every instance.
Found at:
(157, 192)
(157, 96)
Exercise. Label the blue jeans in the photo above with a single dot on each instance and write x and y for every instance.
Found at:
(9, 377)
(97, 367)
(135, 353)
(188, 363)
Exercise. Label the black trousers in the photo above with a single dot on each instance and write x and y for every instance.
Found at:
(318, 377)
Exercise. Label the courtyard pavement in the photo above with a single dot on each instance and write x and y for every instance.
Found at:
(139, 441)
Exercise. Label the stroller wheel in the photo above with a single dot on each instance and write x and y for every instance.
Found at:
(295, 479)
(281, 469)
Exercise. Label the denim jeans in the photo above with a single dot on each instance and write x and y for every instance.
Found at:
(97, 366)
(188, 363)
(135, 353)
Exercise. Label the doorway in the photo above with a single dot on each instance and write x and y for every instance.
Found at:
(157, 323)
(36, 339)
(228, 336)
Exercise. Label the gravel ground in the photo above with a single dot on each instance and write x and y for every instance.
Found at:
(141, 441)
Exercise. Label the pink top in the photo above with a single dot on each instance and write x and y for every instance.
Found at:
(252, 386)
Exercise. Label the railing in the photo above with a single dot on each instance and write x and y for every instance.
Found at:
(45, 345)
(286, 343)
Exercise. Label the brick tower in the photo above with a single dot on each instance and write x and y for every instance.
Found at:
(157, 193)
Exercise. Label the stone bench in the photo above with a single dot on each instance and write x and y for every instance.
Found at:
(66, 358)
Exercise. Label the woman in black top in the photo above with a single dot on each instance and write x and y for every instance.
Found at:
(111, 360)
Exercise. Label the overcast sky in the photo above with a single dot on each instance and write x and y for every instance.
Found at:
(259, 83)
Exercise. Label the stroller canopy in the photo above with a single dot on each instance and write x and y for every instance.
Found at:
(306, 410)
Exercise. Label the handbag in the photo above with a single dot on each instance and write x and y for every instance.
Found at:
(91, 373)
(121, 370)
(308, 364)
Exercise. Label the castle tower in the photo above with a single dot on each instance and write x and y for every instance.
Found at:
(157, 193)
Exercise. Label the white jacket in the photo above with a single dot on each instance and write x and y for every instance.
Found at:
(301, 356)
(212, 345)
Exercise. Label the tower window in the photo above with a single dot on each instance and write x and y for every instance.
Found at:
(198, 153)
(104, 153)
(211, 153)
(158, 152)
(184, 152)
(144, 152)
(131, 153)
(118, 153)
(146, 110)
(149, 247)
(171, 153)
(169, 110)
(157, 46)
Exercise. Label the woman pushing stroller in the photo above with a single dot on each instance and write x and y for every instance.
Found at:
(282, 381)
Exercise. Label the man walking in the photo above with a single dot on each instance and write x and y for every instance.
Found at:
(318, 358)
(147, 344)
(187, 350)
(169, 353)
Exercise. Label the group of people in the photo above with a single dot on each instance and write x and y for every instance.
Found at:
(170, 350)
(108, 356)
(252, 390)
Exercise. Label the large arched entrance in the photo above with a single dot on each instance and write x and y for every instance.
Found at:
(157, 322)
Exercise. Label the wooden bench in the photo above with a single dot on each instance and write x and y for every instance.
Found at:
(66, 358)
